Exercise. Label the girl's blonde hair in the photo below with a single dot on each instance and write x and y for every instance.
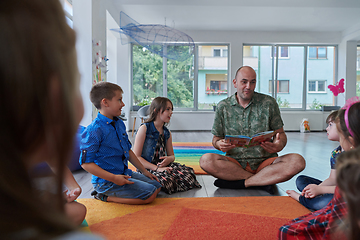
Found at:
(348, 180)
(158, 105)
(37, 90)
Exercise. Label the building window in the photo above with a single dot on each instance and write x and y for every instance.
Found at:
(217, 52)
(317, 86)
(284, 52)
(317, 52)
(282, 86)
(220, 52)
(217, 87)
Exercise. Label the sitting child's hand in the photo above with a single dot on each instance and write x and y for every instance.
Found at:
(122, 180)
(161, 169)
(72, 195)
(166, 160)
(311, 191)
(151, 176)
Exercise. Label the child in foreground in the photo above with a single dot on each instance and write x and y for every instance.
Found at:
(106, 150)
(323, 223)
(41, 109)
(348, 178)
(153, 146)
(316, 194)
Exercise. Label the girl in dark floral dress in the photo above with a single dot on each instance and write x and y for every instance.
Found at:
(153, 147)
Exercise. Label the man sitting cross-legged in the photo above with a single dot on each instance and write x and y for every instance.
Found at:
(247, 113)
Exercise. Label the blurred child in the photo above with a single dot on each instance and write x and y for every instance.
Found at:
(316, 194)
(105, 152)
(348, 179)
(322, 223)
(153, 146)
(42, 108)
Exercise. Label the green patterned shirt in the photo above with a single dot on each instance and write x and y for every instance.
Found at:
(262, 114)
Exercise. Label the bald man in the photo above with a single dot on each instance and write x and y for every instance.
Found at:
(248, 113)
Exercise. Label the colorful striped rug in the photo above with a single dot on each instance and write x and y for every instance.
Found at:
(193, 218)
(189, 153)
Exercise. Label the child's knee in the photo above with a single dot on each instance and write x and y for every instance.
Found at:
(152, 197)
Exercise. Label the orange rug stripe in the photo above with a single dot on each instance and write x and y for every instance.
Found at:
(164, 217)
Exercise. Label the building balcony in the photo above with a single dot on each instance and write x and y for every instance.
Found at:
(251, 61)
(213, 63)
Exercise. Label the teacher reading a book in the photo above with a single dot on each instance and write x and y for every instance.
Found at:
(248, 113)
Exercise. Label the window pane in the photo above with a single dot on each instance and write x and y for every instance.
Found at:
(284, 52)
(321, 52)
(293, 69)
(321, 86)
(312, 52)
(147, 75)
(212, 76)
(283, 86)
(258, 58)
(180, 82)
(312, 86)
(225, 53)
(323, 72)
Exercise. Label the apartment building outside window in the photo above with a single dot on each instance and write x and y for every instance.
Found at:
(299, 74)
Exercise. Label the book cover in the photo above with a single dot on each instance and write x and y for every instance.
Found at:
(245, 141)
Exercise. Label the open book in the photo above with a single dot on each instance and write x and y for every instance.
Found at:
(245, 141)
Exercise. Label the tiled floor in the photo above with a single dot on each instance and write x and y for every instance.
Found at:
(314, 146)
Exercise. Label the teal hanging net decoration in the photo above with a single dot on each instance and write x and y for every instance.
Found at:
(159, 39)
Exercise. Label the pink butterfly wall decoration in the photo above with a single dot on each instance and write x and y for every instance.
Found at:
(337, 88)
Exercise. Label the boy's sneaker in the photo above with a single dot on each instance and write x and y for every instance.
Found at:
(99, 196)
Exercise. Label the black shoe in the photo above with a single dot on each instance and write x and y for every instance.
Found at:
(237, 184)
(99, 196)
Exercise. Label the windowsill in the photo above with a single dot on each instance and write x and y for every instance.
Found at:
(317, 92)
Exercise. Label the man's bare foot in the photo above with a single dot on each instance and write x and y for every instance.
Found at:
(293, 194)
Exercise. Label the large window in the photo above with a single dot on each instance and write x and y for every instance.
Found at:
(296, 82)
(194, 84)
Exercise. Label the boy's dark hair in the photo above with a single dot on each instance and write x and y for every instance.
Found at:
(103, 90)
(332, 116)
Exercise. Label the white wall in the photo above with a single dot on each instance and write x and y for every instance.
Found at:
(82, 22)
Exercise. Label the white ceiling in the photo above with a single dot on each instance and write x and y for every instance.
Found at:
(249, 15)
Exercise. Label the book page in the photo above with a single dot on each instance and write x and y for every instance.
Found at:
(257, 139)
(237, 140)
